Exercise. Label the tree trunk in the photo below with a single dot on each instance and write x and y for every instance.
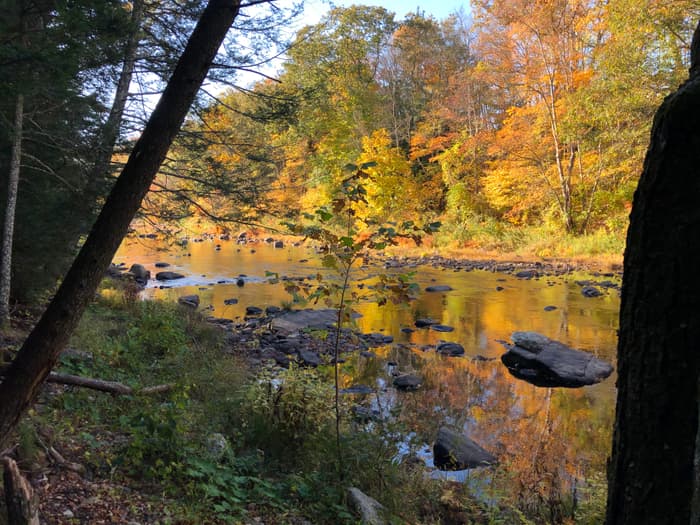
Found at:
(22, 504)
(42, 347)
(651, 473)
(9, 224)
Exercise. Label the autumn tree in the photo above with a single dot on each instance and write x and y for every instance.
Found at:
(333, 65)
(542, 51)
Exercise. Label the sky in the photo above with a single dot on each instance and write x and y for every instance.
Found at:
(437, 8)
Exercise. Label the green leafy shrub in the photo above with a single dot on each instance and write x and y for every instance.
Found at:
(286, 411)
(160, 330)
(158, 441)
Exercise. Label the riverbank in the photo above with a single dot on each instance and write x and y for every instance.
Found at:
(231, 439)
(208, 433)
(599, 251)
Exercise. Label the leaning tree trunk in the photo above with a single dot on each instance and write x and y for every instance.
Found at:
(651, 471)
(9, 224)
(41, 349)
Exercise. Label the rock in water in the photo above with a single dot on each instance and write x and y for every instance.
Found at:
(455, 451)
(191, 301)
(591, 291)
(169, 276)
(369, 509)
(407, 382)
(290, 322)
(450, 349)
(439, 288)
(253, 310)
(543, 362)
(139, 272)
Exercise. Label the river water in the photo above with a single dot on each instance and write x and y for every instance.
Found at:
(546, 438)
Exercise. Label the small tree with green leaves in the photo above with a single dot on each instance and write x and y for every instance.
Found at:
(346, 239)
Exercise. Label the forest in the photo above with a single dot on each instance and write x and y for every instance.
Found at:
(514, 130)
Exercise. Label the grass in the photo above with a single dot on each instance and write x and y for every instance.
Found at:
(497, 242)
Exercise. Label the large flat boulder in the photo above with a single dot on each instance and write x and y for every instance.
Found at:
(455, 451)
(300, 319)
(541, 361)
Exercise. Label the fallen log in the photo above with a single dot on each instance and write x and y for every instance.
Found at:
(111, 387)
(22, 503)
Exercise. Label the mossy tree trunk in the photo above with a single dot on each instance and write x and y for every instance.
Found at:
(651, 472)
(42, 347)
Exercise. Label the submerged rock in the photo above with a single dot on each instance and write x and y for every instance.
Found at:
(425, 322)
(439, 288)
(442, 328)
(543, 362)
(455, 451)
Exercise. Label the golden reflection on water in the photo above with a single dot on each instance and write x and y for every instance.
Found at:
(543, 437)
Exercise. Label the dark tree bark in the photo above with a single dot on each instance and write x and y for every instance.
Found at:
(41, 349)
(651, 472)
(22, 503)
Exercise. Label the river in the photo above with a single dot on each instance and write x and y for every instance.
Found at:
(546, 437)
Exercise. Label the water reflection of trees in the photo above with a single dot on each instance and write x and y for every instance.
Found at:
(548, 441)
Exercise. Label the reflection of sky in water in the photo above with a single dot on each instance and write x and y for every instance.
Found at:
(502, 414)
